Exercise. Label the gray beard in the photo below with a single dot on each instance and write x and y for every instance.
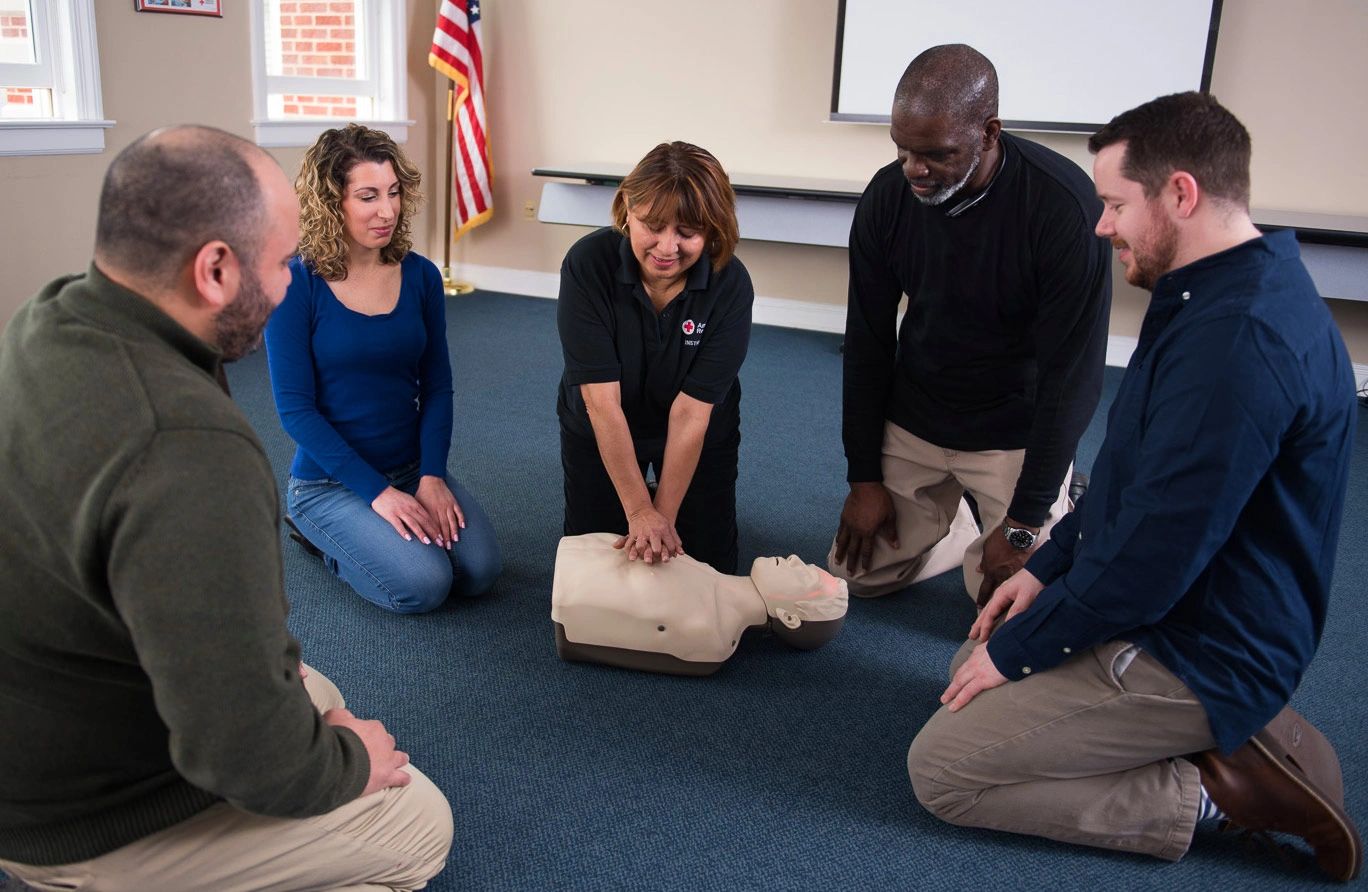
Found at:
(944, 195)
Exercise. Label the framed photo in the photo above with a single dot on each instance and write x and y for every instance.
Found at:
(188, 7)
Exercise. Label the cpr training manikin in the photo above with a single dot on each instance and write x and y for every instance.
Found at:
(682, 616)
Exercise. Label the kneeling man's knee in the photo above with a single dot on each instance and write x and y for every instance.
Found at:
(937, 787)
(428, 828)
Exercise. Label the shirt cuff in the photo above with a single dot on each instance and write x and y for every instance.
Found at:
(1046, 634)
(1049, 562)
(860, 470)
(1025, 511)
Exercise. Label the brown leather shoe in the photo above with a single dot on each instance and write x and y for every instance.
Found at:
(1262, 787)
(1307, 750)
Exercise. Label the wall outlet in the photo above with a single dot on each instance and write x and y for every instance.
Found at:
(529, 210)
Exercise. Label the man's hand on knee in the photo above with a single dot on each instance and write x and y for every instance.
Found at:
(868, 512)
(975, 675)
(386, 762)
(1017, 593)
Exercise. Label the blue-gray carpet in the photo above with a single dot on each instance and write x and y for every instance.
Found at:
(785, 770)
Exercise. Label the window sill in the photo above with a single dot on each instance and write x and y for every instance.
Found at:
(284, 134)
(21, 137)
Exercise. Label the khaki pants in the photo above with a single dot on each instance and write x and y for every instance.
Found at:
(395, 839)
(935, 529)
(1083, 753)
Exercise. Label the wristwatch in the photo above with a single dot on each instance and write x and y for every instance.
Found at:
(1017, 537)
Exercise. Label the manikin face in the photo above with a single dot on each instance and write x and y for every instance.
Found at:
(1142, 233)
(664, 253)
(263, 278)
(784, 582)
(371, 205)
(938, 155)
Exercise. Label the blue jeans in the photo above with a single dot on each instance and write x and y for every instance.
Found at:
(399, 575)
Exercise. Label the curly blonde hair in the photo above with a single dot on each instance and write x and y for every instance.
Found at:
(322, 182)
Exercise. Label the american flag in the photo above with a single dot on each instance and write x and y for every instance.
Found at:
(456, 53)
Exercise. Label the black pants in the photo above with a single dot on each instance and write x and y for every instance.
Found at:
(707, 516)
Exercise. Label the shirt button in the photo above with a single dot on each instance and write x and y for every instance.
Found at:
(1068, 650)
(1187, 294)
(1025, 670)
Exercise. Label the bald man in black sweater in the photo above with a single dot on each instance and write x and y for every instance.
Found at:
(996, 369)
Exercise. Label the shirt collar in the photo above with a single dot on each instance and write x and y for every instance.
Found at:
(110, 304)
(973, 200)
(1266, 248)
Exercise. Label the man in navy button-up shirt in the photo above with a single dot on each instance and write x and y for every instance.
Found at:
(1175, 610)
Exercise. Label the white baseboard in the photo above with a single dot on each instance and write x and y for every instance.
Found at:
(780, 311)
(509, 280)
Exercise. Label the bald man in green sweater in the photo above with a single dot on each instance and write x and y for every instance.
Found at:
(155, 731)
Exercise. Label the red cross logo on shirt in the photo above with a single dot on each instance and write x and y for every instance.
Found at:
(688, 326)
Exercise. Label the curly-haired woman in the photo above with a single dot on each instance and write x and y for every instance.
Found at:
(362, 382)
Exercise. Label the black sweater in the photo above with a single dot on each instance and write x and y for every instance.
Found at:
(1005, 335)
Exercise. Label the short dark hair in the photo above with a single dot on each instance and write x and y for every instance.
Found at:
(952, 79)
(680, 181)
(171, 192)
(1191, 132)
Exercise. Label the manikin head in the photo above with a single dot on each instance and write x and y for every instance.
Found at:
(805, 603)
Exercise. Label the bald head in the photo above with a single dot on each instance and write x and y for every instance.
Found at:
(174, 190)
(952, 80)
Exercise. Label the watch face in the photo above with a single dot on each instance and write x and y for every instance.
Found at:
(1022, 539)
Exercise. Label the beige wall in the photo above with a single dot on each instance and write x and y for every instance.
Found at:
(159, 69)
(602, 80)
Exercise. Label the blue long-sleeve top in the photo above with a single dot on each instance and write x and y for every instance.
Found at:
(1208, 533)
(362, 395)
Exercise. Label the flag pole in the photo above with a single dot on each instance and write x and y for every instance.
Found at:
(450, 285)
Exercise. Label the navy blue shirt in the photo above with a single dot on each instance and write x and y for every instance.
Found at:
(1208, 534)
(610, 332)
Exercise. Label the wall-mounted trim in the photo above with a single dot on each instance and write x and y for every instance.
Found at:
(53, 137)
(75, 53)
(285, 134)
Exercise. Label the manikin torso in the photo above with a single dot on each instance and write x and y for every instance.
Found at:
(682, 610)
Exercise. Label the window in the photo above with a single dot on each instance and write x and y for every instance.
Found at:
(320, 63)
(49, 78)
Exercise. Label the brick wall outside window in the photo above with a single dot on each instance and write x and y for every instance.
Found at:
(15, 26)
(318, 39)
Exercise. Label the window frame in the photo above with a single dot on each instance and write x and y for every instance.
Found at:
(65, 38)
(385, 43)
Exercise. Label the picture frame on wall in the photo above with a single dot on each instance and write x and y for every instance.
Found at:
(186, 7)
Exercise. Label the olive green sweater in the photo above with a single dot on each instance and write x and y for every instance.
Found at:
(146, 672)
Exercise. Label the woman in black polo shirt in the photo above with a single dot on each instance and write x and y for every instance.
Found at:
(654, 318)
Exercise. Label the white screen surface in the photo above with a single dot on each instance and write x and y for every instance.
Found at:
(1062, 64)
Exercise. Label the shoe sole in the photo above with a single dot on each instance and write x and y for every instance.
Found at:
(1279, 756)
